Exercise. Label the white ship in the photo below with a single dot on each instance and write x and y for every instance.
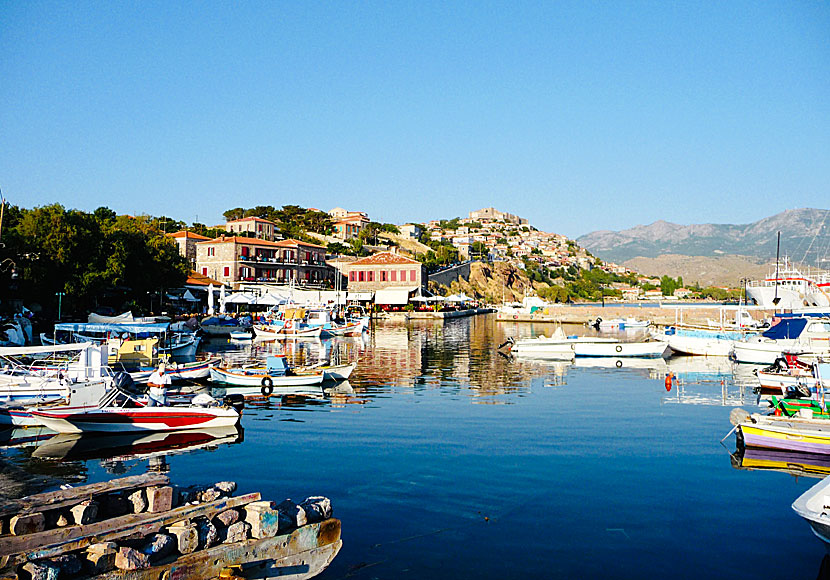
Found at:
(787, 288)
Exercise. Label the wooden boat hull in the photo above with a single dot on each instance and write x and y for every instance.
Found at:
(303, 553)
(621, 349)
(115, 419)
(192, 371)
(282, 333)
(788, 433)
(261, 379)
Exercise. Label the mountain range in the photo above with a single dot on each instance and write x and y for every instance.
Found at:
(723, 252)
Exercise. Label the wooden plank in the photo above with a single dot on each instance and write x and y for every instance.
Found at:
(61, 540)
(70, 496)
(303, 553)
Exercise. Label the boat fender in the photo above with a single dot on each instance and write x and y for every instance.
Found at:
(619, 348)
(619, 364)
(669, 378)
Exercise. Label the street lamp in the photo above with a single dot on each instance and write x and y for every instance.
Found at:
(60, 296)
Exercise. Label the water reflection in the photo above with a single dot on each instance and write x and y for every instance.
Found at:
(791, 462)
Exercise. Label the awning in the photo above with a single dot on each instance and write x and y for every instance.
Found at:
(239, 298)
(189, 296)
(359, 296)
(135, 328)
(396, 296)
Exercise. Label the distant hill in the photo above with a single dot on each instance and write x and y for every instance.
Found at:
(705, 271)
(805, 237)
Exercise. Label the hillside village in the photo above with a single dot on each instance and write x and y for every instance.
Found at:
(489, 255)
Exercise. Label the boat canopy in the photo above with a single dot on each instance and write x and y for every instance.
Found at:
(787, 328)
(134, 328)
(28, 350)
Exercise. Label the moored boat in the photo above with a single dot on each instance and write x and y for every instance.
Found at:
(804, 337)
(814, 506)
(651, 349)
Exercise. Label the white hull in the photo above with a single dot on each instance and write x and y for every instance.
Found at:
(813, 506)
(764, 296)
(699, 346)
(621, 349)
(762, 352)
(784, 382)
(242, 379)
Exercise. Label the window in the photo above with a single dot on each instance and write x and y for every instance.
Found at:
(403, 275)
(361, 276)
(351, 276)
(227, 271)
(371, 276)
(204, 271)
(211, 251)
(383, 276)
(245, 251)
(394, 274)
(412, 275)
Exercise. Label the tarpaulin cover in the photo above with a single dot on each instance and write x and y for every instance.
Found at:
(787, 328)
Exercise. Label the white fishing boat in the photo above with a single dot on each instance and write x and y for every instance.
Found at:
(804, 337)
(814, 506)
(290, 329)
(263, 380)
(700, 341)
(617, 349)
(628, 323)
(50, 378)
(557, 346)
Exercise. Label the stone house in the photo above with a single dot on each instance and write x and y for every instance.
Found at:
(253, 226)
(235, 259)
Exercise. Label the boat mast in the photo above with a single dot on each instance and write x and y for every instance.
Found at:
(776, 300)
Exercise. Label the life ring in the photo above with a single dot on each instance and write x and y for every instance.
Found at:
(619, 348)
(289, 325)
(515, 317)
(619, 364)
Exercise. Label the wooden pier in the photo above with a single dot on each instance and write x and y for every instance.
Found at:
(142, 528)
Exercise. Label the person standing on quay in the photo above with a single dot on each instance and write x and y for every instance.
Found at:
(158, 383)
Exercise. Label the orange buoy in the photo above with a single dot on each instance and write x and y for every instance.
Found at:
(778, 411)
(668, 381)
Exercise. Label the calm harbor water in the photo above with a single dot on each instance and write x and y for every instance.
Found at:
(444, 459)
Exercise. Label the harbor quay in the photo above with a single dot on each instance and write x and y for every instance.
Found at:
(695, 314)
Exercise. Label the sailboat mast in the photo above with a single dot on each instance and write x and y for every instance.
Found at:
(776, 300)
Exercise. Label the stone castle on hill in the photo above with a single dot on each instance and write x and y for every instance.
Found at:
(492, 214)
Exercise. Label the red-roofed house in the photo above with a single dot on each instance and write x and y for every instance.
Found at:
(232, 260)
(187, 243)
(347, 224)
(258, 227)
(384, 271)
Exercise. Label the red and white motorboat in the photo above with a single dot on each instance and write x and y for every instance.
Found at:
(120, 412)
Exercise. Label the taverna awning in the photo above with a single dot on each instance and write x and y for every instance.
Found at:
(359, 296)
(393, 296)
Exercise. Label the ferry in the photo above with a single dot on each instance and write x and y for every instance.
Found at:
(788, 288)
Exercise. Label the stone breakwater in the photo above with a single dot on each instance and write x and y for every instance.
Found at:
(661, 315)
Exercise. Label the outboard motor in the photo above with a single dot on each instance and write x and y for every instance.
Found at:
(597, 322)
(124, 382)
(234, 400)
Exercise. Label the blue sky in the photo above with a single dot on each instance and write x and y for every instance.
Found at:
(577, 115)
